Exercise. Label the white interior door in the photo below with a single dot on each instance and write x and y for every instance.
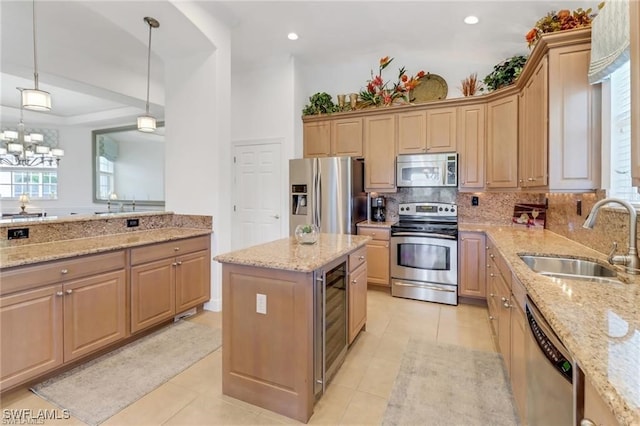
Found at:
(257, 192)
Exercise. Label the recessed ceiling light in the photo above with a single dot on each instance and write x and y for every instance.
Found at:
(292, 36)
(471, 20)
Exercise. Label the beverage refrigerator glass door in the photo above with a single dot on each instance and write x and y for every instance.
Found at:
(427, 170)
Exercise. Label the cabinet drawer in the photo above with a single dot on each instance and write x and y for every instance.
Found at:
(375, 233)
(357, 258)
(26, 277)
(158, 251)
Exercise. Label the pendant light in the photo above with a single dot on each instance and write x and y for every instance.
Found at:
(147, 123)
(35, 99)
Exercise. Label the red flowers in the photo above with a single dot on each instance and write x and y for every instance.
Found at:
(377, 92)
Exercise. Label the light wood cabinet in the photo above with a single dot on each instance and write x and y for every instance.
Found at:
(471, 146)
(333, 138)
(518, 371)
(412, 132)
(574, 120)
(357, 299)
(441, 130)
(533, 129)
(164, 284)
(595, 409)
(378, 264)
(51, 324)
(472, 265)
(380, 134)
(634, 18)
(499, 302)
(502, 143)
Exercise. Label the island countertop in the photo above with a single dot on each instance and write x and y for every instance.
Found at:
(598, 323)
(287, 254)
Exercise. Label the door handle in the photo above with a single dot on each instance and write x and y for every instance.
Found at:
(276, 216)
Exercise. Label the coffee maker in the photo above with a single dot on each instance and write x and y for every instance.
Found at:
(378, 209)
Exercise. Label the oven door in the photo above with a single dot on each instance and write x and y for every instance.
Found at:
(422, 257)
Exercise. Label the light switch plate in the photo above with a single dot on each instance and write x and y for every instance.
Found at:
(261, 303)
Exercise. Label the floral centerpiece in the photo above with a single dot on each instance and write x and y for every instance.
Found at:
(560, 21)
(378, 91)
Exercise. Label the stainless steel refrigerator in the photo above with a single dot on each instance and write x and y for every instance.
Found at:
(328, 192)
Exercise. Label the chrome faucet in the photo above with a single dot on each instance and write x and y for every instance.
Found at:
(630, 260)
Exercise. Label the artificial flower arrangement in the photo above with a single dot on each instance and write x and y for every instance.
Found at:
(560, 21)
(378, 92)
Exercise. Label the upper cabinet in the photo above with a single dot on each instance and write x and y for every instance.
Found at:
(380, 133)
(427, 131)
(634, 18)
(502, 142)
(471, 146)
(333, 138)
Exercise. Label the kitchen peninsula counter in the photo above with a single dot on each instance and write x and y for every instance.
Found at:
(272, 305)
(598, 323)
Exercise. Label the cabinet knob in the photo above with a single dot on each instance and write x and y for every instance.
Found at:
(64, 271)
(373, 234)
(491, 294)
(491, 275)
(386, 246)
(354, 282)
(59, 293)
(530, 179)
(360, 257)
(491, 317)
(520, 180)
(587, 422)
(176, 249)
(486, 247)
(491, 256)
(488, 266)
(506, 304)
(174, 264)
(69, 291)
(488, 183)
(179, 262)
(462, 239)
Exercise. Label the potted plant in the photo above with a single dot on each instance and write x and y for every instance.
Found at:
(505, 73)
(320, 103)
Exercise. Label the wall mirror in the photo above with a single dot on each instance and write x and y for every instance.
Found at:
(128, 166)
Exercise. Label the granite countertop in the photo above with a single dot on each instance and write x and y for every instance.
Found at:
(287, 254)
(374, 224)
(42, 252)
(598, 323)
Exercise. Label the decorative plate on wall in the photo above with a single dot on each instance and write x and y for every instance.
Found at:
(432, 87)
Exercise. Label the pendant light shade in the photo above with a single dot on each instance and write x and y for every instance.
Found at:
(147, 123)
(35, 99)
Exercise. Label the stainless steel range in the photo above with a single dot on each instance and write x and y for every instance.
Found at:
(424, 253)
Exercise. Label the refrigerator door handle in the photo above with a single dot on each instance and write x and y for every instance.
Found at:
(316, 192)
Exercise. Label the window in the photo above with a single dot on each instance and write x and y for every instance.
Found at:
(37, 183)
(105, 178)
(619, 136)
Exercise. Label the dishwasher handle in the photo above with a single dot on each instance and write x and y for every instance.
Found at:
(548, 342)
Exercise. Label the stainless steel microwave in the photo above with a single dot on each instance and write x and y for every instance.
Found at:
(427, 170)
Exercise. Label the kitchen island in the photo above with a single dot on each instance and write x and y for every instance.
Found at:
(271, 319)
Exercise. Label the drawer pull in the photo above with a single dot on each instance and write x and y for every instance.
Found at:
(174, 264)
(354, 282)
(176, 249)
(360, 257)
(59, 293)
(64, 271)
(69, 291)
(179, 262)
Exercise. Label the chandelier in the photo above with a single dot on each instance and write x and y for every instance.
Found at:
(21, 149)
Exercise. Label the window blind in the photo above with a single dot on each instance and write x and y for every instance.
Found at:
(609, 40)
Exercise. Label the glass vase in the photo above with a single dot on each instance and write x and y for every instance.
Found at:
(307, 234)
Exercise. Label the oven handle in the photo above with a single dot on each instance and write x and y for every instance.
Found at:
(422, 234)
(427, 286)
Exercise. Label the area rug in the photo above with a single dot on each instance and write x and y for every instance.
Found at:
(442, 384)
(100, 388)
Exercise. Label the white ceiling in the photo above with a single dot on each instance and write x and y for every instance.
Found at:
(113, 33)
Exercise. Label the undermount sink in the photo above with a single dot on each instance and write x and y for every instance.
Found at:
(573, 269)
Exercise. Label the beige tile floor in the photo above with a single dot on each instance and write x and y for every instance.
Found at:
(357, 396)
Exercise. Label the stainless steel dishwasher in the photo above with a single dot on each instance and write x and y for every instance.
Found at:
(549, 374)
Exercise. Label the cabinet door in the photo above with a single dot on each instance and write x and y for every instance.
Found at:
(533, 129)
(502, 143)
(357, 301)
(412, 132)
(378, 262)
(316, 139)
(193, 280)
(574, 121)
(31, 334)
(471, 146)
(346, 137)
(504, 323)
(94, 313)
(519, 360)
(380, 153)
(441, 130)
(152, 293)
(472, 265)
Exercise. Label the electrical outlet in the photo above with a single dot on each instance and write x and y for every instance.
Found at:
(17, 233)
(474, 200)
(261, 303)
(579, 207)
(133, 222)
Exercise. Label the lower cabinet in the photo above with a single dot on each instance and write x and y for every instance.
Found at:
(357, 300)
(164, 284)
(472, 265)
(518, 371)
(595, 409)
(378, 267)
(50, 325)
